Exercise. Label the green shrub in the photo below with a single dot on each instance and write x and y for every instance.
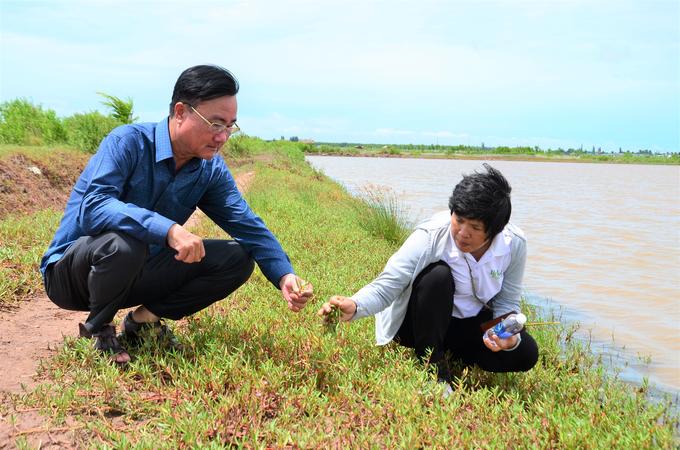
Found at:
(242, 145)
(86, 131)
(239, 145)
(23, 123)
(292, 149)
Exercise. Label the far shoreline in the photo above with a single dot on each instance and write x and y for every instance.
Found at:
(493, 157)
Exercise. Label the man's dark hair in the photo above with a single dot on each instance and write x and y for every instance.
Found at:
(485, 197)
(201, 83)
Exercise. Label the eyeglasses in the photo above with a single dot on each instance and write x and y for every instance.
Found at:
(218, 128)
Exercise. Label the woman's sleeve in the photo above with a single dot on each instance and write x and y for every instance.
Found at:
(507, 300)
(395, 277)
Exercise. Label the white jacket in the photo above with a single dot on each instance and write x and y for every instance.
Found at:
(387, 296)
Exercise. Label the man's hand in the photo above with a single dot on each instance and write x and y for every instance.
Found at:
(346, 305)
(189, 247)
(295, 291)
(496, 344)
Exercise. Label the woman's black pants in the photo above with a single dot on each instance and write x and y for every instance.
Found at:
(105, 273)
(429, 326)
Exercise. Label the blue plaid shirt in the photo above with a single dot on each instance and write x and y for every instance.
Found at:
(130, 185)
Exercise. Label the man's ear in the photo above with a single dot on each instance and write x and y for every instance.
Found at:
(180, 110)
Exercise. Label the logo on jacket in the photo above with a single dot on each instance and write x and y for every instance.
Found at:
(496, 274)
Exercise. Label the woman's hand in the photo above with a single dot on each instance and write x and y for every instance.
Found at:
(346, 306)
(496, 344)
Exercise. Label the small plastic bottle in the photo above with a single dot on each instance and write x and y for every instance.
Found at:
(512, 324)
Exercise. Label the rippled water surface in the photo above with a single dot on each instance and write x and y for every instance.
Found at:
(603, 240)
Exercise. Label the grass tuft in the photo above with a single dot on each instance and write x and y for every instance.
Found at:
(386, 215)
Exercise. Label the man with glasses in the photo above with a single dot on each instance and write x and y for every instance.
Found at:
(122, 243)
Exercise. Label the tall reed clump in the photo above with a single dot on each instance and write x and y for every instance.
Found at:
(386, 216)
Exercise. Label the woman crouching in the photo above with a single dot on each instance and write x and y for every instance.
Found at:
(454, 274)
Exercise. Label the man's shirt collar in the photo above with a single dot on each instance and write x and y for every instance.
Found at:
(163, 144)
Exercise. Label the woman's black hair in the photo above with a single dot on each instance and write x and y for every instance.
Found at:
(485, 197)
(201, 83)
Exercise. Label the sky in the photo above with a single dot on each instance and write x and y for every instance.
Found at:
(549, 73)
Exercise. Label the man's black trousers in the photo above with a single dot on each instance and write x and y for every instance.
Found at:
(105, 273)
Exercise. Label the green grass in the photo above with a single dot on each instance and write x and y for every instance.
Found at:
(262, 376)
(23, 240)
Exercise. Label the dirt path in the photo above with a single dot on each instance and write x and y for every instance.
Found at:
(31, 334)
